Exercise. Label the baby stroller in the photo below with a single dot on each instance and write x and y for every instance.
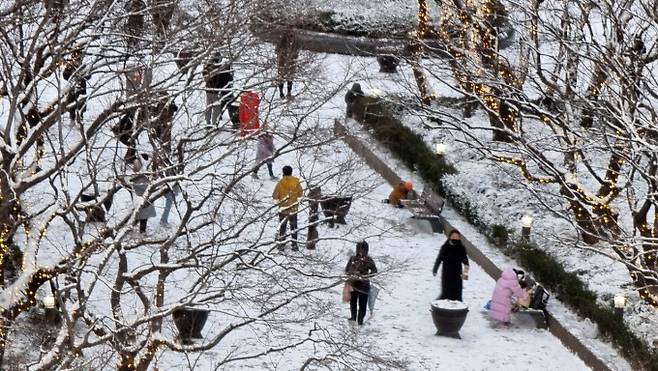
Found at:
(538, 299)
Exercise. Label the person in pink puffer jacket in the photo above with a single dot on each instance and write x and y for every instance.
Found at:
(507, 287)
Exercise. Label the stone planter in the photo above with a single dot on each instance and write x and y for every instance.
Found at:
(335, 208)
(388, 63)
(190, 322)
(449, 317)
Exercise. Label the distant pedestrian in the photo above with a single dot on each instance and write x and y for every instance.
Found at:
(507, 288)
(287, 193)
(359, 268)
(170, 198)
(218, 76)
(161, 123)
(126, 134)
(350, 96)
(287, 52)
(74, 74)
(455, 267)
(139, 182)
(264, 152)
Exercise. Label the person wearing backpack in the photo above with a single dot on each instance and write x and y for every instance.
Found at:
(359, 268)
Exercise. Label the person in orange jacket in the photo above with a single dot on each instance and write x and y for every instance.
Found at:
(399, 192)
(287, 193)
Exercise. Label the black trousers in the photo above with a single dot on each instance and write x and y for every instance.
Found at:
(289, 90)
(269, 169)
(362, 300)
(284, 220)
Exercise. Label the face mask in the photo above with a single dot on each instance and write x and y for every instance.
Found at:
(453, 242)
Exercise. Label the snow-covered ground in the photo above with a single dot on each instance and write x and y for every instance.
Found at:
(500, 192)
(401, 328)
(400, 333)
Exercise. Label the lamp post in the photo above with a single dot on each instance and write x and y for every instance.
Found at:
(441, 149)
(526, 224)
(619, 304)
(50, 307)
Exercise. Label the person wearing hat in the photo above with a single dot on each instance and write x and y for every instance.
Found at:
(400, 192)
(359, 268)
(350, 96)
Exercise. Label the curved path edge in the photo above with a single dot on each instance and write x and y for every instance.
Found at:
(322, 42)
(556, 328)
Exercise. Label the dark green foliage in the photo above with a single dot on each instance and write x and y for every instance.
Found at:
(403, 142)
(410, 148)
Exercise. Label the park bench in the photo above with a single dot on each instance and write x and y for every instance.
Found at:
(426, 207)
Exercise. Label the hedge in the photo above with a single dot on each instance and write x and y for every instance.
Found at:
(375, 115)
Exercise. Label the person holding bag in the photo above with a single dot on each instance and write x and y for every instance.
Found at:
(360, 267)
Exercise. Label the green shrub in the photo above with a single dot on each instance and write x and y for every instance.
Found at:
(410, 148)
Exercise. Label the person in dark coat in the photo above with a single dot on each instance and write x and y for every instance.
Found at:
(78, 81)
(351, 94)
(287, 52)
(219, 82)
(455, 267)
(359, 268)
(125, 132)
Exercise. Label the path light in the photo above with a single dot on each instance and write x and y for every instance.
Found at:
(52, 313)
(526, 224)
(441, 149)
(619, 303)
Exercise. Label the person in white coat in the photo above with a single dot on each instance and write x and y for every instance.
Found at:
(139, 183)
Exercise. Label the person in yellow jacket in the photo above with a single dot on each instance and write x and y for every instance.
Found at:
(287, 193)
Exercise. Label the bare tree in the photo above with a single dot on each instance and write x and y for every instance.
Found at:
(72, 188)
(571, 106)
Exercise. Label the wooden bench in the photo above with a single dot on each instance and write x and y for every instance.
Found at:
(426, 207)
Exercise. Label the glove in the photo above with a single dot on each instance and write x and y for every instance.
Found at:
(434, 274)
(465, 276)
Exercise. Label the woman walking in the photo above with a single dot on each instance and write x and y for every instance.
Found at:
(264, 151)
(359, 268)
(455, 267)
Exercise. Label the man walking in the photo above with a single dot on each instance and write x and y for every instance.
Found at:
(287, 193)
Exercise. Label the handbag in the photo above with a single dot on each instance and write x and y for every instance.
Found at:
(347, 292)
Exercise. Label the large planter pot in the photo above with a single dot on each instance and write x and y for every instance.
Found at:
(449, 317)
(190, 322)
(335, 208)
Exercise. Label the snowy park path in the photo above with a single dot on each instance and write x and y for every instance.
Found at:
(402, 320)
